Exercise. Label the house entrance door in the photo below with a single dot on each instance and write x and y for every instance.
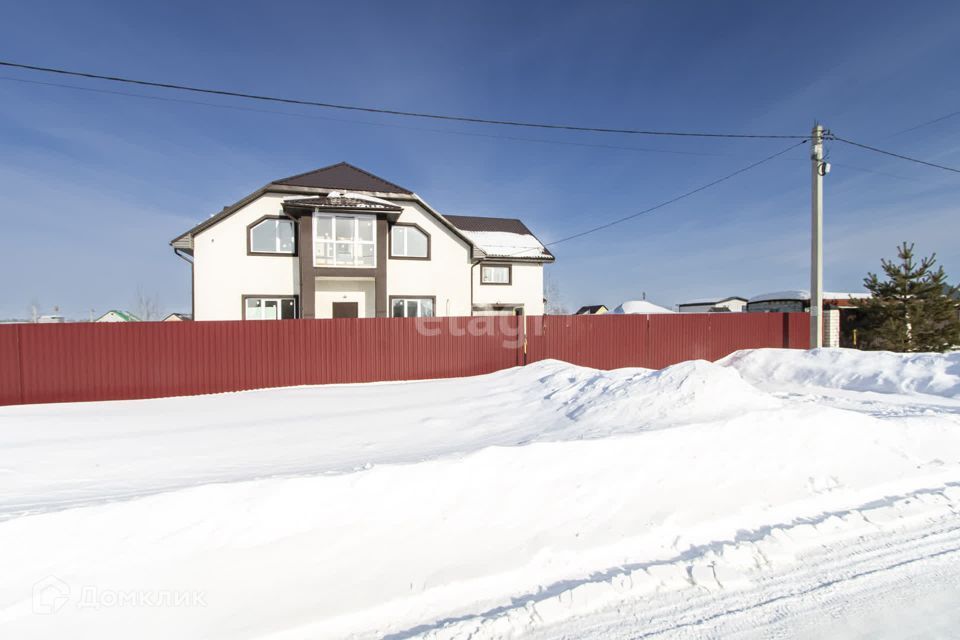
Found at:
(346, 310)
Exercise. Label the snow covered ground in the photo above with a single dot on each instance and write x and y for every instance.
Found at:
(775, 493)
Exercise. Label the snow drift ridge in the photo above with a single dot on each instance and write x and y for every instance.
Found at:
(849, 369)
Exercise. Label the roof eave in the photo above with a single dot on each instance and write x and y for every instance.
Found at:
(449, 225)
(276, 187)
(490, 258)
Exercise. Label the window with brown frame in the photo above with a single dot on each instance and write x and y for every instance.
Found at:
(410, 242)
(269, 308)
(272, 236)
(495, 274)
(344, 240)
(412, 307)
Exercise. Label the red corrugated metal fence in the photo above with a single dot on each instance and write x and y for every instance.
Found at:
(11, 389)
(114, 361)
(655, 341)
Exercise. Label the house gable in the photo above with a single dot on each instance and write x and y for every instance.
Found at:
(490, 237)
(342, 176)
(225, 269)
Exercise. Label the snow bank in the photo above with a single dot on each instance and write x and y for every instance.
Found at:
(478, 505)
(141, 447)
(849, 369)
(604, 403)
(393, 547)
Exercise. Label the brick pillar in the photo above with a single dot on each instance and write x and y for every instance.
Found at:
(831, 328)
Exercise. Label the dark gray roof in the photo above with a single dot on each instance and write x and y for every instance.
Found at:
(342, 176)
(326, 202)
(477, 223)
(589, 309)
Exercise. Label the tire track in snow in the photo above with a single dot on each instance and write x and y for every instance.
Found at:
(758, 569)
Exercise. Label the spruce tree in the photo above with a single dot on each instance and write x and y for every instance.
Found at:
(912, 309)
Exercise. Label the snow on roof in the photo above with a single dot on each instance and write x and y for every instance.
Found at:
(640, 306)
(715, 300)
(792, 294)
(337, 200)
(360, 196)
(504, 244)
(126, 316)
(837, 295)
(803, 294)
(500, 237)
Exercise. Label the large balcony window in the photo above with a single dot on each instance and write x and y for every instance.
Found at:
(341, 240)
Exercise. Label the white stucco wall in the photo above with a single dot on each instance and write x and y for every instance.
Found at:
(734, 305)
(223, 272)
(359, 290)
(526, 288)
(446, 275)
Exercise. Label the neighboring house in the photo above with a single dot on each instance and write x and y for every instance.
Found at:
(50, 319)
(178, 317)
(591, 310)
(799, 300)
(840, 315)
(640, 306)
(339, 242)
(713, 305)
(117, 316)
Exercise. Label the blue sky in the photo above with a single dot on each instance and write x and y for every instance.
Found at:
(93, 185)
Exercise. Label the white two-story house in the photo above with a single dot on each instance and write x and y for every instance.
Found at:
(339, 242)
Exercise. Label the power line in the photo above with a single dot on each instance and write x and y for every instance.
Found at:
(676, 199)
(392, 112)
(292, 114)
(887, 174)
(925, 124)
(894, 155)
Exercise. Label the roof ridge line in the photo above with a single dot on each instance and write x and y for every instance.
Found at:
(343, 163)
(305, 173)
(467, 215)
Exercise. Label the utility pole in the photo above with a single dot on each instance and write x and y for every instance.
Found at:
(820, 169)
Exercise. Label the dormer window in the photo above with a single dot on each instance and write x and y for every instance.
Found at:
(272, 236)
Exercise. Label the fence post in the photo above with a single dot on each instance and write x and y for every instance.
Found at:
(20, 393)
(524, 344)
